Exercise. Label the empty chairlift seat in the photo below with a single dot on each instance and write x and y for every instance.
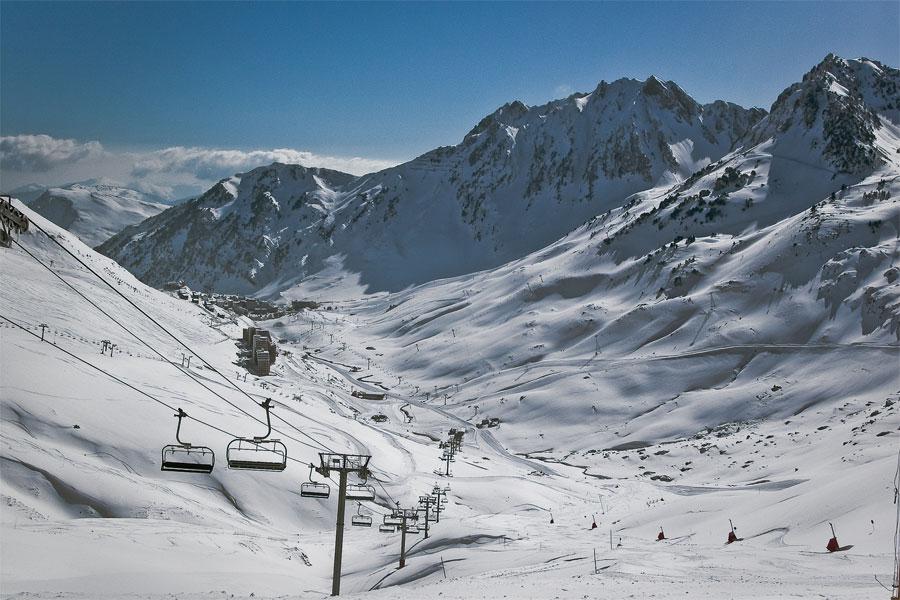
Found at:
(361, 521)
(314, 489)
(386, 528)
(360, 492)
(188, 459)
(256, 455)
(184, 457)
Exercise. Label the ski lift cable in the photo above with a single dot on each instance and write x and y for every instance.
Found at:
(143, 393)
(141, 340)
(193, 377)
(170, 334)
(125, 383)
(111, 376)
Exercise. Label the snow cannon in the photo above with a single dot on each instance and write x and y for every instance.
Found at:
(832, 545)
(732, 536)
(661, 536)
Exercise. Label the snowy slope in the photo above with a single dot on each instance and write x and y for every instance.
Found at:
(87, 514)
(536, 170)
(95, 210)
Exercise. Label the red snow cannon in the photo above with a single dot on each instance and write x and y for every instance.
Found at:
(732, 536)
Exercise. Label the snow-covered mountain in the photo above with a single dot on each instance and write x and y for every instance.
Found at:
(28, 192)
(95, 210)
(520, 179)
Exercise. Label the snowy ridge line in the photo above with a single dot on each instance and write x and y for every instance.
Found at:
(185, 346)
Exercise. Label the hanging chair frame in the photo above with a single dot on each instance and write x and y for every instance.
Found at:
(314, 489)
(238, 452)
(359, 519)
(174, 457)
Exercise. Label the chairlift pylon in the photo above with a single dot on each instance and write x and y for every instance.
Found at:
(314, 489)
(184, 457)
(258, 453)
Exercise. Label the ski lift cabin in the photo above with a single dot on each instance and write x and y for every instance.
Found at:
(184, 457)
(258, 453)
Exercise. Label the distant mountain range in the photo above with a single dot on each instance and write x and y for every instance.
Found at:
(93, 210)
(524, 177)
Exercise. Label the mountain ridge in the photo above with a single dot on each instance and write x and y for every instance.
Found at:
(542, 169)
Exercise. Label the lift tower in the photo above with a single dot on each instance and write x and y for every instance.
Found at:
(425, 503)
(437, 492)
(343, 464)
(402, 518)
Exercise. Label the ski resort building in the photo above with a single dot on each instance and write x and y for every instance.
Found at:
(262, 350)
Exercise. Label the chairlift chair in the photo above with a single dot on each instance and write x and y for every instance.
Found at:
(386, 528)
(313, 489)
(413, 529)
(392, 520)
(184, 457)
(258, 453)
(359, 519)
(360, 492)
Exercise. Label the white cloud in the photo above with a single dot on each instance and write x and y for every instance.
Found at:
(41, 153)
(563, 90)
(211, 163)
(173, 172)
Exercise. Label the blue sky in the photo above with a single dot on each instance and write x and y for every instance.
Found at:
(384, 81)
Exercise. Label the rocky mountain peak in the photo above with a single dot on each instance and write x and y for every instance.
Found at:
(838, 106)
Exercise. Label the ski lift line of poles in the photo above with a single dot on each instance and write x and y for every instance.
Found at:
(165, 358)
(170, 334)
